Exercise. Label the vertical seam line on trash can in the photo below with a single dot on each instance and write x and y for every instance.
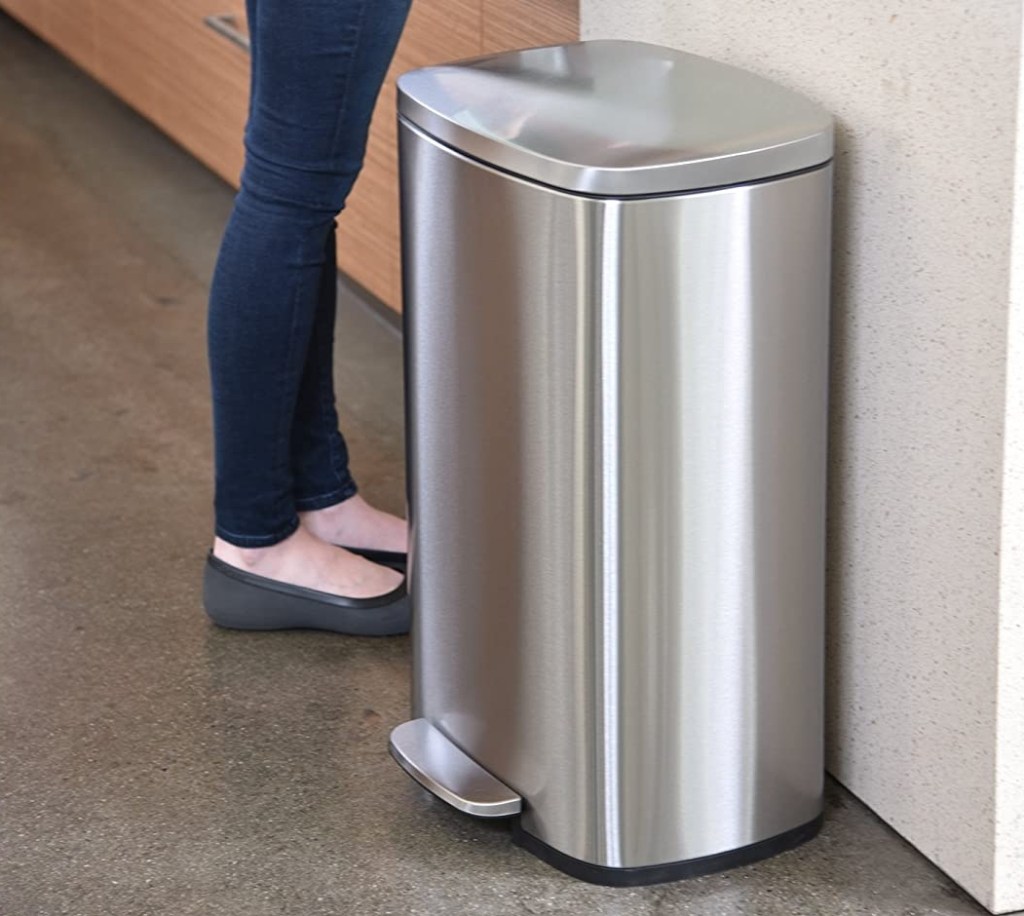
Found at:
(609, 393)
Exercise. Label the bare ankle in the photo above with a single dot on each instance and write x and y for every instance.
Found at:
(252, 557)
(356, 523)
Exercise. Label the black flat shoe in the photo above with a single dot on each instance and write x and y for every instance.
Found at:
(390, 558)
(240, 600)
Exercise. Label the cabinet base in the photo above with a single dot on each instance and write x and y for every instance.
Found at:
(669, 871)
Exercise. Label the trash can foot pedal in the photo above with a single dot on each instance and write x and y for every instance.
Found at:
(444, 769)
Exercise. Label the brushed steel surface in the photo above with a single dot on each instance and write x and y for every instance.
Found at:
(618, 118)
(616, 436)
(444, 769)
(226, 24)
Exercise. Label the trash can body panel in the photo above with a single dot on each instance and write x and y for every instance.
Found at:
(616, 488)
(493, 533)
(722, 410)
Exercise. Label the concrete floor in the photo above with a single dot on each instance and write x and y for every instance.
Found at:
(149, 763)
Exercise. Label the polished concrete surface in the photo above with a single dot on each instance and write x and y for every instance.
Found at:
(149, 763)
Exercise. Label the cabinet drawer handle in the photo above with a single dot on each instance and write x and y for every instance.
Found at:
(226, 24)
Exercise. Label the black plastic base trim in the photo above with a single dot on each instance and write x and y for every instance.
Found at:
(670, 871)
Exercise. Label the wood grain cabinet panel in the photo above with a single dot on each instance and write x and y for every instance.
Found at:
(70, 27)
(129, 56)
(66, 24)
(509, 24)
(205, 106)
(31, 12)
(161, 58)
(193, 83)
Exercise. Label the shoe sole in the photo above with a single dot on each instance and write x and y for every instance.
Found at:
(239, 600)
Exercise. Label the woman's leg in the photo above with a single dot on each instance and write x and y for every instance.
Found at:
(325, 493)
(317, 68)
(319, 455)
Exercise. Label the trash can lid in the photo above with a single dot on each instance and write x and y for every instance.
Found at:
(617, 118)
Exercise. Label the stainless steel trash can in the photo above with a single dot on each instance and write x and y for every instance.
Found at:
(616, 279)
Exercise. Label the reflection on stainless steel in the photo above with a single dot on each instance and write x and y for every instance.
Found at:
(616, 438)
(438, 765)
(618, 118)
(617, 491)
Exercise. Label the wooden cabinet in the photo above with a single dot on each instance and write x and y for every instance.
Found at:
(206, 100)
(66, 24)
(162, 59)
(165, 61)
(70, 27)
(524, 23)
(128, 58)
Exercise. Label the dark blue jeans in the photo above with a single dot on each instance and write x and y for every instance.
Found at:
(317, 67)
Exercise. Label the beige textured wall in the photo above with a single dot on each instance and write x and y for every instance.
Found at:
(1009, 865)
(926, 702)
